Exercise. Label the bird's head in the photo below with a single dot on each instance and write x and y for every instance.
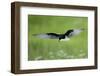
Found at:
(74, 32)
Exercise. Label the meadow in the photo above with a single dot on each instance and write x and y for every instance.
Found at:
(50, 49)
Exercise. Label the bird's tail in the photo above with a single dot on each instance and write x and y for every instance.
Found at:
(34, 34)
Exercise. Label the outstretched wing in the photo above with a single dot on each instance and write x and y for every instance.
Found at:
(47, 36)
(73, 32)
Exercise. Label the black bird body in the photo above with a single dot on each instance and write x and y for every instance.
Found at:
(55, 36)
(67, 35)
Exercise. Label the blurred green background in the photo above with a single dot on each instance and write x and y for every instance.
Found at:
(49, 49)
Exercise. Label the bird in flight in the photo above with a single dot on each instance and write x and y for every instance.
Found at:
(61, 37)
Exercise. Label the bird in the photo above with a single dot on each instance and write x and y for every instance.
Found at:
(61, 37)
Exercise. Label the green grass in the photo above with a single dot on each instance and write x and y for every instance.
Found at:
(48, 49)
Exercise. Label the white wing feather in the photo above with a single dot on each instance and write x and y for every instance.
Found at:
(41, 35)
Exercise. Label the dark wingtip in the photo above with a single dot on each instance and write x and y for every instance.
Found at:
(34, 34)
